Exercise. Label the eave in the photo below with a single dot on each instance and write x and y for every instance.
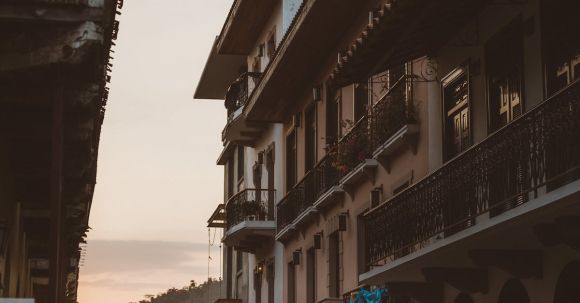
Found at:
(243, 26)
(219, 72)
(289, 76)
(400, 32)
(226, 153)
(218, 217)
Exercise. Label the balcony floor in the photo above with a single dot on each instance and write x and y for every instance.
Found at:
(248, 236)
(512, 229)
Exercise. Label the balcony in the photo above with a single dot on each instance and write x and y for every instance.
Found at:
(250, 219)
(238, 130)
(525, 166)
(394, 123)
(353, 159)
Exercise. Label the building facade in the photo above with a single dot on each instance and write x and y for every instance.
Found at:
(429, 148)
(54, 69)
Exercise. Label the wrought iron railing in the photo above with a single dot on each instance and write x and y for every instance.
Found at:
(390, 114)
(239, 91)
(353, 148)
(289, 208)
(249, 205)
(536, 153)
(393, 111)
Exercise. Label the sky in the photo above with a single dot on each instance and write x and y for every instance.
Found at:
(157, 181)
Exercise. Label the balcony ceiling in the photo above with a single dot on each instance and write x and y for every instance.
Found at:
(290, 75)
(219, 72)
(402, 31)
(248, 236)
(245, 22)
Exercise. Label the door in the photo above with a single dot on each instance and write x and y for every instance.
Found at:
(504, 65)
(457, 116)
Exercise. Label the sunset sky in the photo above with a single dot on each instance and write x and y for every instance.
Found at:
(157, 178)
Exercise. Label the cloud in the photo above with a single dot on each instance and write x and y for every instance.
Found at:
(118, 256)
(129, 269)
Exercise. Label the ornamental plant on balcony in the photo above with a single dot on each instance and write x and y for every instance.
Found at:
(353, 148)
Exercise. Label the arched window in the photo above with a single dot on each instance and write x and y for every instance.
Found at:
(463, 298)
(513, 291)
(568, 282)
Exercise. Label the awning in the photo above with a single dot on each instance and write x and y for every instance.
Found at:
(219, 72)
(218, 218)
(226, 153)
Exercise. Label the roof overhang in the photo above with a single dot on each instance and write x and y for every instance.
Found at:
(219, 72)
(244, 24)
(307, 43)
(218, 218)
(402, 31)
(226, 153)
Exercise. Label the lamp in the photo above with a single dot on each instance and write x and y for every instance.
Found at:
(296, 257)
(318, 241)
(376, 196)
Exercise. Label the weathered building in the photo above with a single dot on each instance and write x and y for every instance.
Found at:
(54, 64)
(430, 148)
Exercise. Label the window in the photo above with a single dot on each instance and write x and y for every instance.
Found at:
(270, 274)
(560, 32)
(291, 160)
(229, 274)
(332, 123)
(272, 43)
(310, 140)
(230, 177)
(258, 286)
(504, 66)
(239, 260)
(361, 97)
(334, 264)
(239, 274)
(311, 275)
(291, 283)
(456, 105)
(240, 163)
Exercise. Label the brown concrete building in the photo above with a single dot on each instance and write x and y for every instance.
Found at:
(54, 64)
(427, 147)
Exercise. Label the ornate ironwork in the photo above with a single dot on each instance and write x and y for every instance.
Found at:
(289, 208)
(239, 91)
(388, 116)
(249, 204)
(392, 111)
(536, 153)
(353, 148)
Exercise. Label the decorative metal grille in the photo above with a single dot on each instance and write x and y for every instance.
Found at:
(536, 153)
(239, 92)
(249, 204)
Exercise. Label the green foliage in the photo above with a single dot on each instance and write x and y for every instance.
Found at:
(209, 291)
